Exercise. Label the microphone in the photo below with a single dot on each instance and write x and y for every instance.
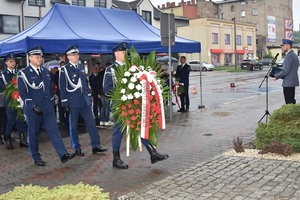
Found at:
(273, 61)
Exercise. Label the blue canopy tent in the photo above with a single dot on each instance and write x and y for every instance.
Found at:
(94, 30)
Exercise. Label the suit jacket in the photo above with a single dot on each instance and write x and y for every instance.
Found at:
(108, 80)
(35, 90)
(73, 86)
(289, 71)
(5, 77)
(93, 84)
(183, 73)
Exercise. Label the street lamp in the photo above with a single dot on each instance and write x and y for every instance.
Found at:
(234, 32)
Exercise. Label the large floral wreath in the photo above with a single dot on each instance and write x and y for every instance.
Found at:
(138, 98)
(11, 91)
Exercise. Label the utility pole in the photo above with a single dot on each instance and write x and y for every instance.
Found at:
(234, 38)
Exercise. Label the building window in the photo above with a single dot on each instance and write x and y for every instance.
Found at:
(227, 39)
(146, 15)
(36, 2)
(78, 2)
(9, 24)
(243, 13)
(216, 16)
(100, 3)
(232, 8)
(254, 1)
(29, 21)
(215, 38)
(256, 27)
(239, 40)
(242, 2)
(222, 16)
(249, 40)
(255, 11)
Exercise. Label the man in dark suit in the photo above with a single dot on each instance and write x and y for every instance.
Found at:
(12, 119)
(75, 99)
(35, 88)
(289, 72)
(108, 84)
(93, 84)
(182, 75)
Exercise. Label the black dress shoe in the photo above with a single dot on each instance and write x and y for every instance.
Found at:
(40, 162)
(173, 104)
(79, 152)
(67, 157)
(1, 141)
(180, 110)
(186, 110)
(98, 149)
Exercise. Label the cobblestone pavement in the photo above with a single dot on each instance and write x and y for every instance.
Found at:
(195, 169)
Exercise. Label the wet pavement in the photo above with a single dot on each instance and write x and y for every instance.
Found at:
(196, 168)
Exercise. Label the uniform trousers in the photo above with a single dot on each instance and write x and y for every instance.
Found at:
(49, 122)
(289, 95)
(117, 138)
(13, 120)
(88, 117)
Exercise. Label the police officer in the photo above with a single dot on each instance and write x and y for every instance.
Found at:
(75, 99)
(108, 84)
(12, 119)
(35, 88)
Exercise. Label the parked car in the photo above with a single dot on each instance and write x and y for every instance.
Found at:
(266, 61)
(251, 64)
(196, 64)
(280, 62)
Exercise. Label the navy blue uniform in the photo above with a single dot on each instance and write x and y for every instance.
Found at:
(11, 114)
(108, 85)
(74, 93)
(183, 73)
(96, 100)
(37, 90)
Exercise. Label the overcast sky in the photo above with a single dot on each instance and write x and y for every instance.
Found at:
(296, 4)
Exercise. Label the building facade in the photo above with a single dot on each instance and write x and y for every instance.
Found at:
(217, 40)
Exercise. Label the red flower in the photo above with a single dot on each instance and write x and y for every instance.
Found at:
(136, 102)
(137, 111)
(124, 114)
(137, 129)
(133, 118)
(123, 107)
(129, 105)
(131, 111)
(15, 95)
(151, 97)
(127, 122)
(14, 81)
(139, 123)
(132, 126)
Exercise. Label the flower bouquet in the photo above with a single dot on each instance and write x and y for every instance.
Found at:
(138, 98)
(11, 91)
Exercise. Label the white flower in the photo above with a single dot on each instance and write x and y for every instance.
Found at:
(124, 98)
(152, 93)
(137, 95)
(129, 96)
(123, 91)
(126, 74)
(130, 86)
(138, 87)
(142, 67)
(133, 79)
(132, 68)
(124, 80)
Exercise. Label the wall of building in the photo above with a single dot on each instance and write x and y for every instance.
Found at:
(219, 53)
(146, 5)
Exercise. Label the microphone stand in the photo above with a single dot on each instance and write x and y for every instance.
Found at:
(267, 113)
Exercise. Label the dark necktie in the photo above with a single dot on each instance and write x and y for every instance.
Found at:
(38, 70)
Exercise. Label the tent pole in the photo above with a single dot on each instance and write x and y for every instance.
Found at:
(169, 68)
(201, 105)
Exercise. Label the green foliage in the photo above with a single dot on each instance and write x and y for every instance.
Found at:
(127, 96)
(284, 126)
(269, 55)
(296, 37)
(236, 70)
(277, 147)
(64, 192)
